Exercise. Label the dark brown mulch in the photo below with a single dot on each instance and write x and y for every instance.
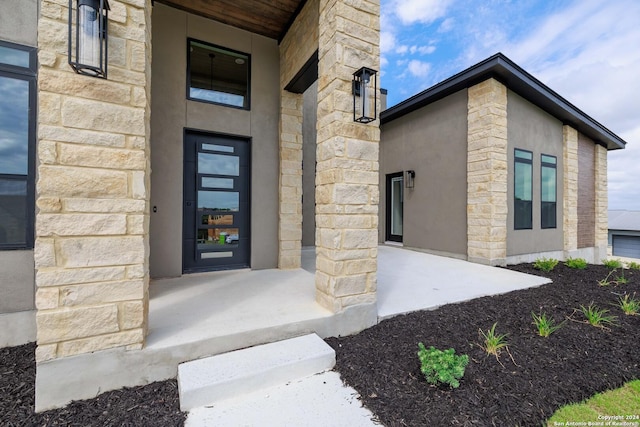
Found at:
(154, 404)
(572, 364)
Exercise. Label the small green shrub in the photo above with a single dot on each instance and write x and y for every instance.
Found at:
(442, 367)
(632, 265)
(630, 307)
(612, 264)
(493, 343)
(545, 325)
(621, 280)
(545, 264)
(577, 263)
(596, 316)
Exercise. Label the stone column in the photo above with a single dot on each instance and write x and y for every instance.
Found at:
(290, 233)
(601, 202)
(347, 158)
(487, 171)
(570, 189)
(92, 222)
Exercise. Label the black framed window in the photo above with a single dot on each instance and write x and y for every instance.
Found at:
(17, 145)
(548, 187)
(523, 189)
(218, 75)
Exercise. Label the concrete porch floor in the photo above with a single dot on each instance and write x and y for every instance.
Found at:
(199, 315)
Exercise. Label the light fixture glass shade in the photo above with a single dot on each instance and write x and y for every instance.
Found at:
(88, 36)
(365, 88)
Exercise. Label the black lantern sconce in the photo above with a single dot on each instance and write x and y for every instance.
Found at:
(88, 37)
(365, 89)
(409, 178)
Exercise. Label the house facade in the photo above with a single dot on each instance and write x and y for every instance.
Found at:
(187, 158)
(624, 233)
(494, 167)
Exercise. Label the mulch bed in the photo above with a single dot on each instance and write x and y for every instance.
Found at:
(572, 364)
(155, 404)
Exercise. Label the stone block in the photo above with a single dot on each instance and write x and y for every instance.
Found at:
(46, 352)
(360, 239)
(56, 181)
(63, 224)
(105, 205)
(76, 85)
(351, 194)
(101, 116)
(102, 157)
(101, 251)
(80, 136)
(44, 253)
(49, 204)
(70, 323)
(47, 298)
(350, 285)
(102, 342)
(100, 293)
(60, 277)
(48, 107)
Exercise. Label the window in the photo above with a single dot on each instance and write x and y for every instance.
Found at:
(218, 75)
(548, 186)
(523, 172)
(17, 145)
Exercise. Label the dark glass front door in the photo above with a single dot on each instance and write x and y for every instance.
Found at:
(395, 204)
(216, 203)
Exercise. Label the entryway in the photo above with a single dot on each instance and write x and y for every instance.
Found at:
(216, 205)
(395, 200)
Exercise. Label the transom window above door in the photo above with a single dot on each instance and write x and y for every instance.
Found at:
(218, 75)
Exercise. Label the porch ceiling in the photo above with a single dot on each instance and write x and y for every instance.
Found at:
(270, 18)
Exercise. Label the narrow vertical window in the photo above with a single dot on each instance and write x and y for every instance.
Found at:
(17, 145)
(548, 186)
(523, 193)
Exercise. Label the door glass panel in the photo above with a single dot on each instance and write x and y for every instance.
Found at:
(217, 220)
(217, 182)
(219, 200)
(211, 238)
(215, 147)
(14, 126)
(218, 164)
(13, 209)
(210, 255)
(396, 206)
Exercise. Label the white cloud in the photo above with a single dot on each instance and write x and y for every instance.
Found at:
(401, 50)
(387, 41)
(423, 50)
(447, 25)
(419, 68)
(423, 11)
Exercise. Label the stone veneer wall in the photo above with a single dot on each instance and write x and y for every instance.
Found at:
(347, 192)
(602, 202)
(296, 48)
(487, 171)
(570, 202)
(91, 251)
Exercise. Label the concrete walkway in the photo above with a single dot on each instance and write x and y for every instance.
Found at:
(407, 281)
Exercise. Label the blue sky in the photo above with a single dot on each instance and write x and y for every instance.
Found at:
(586, 50)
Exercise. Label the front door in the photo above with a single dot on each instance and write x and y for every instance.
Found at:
(216, 203)
(395, 200)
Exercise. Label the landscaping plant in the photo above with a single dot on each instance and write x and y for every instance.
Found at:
(612, 264)
(494, 343)
(545, 325)
(628, 306)
(577, 263)
(632, 265)
(545, 264)
(597, 316)
(442, 367)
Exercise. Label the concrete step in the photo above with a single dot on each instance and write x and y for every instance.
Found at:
(212, 379)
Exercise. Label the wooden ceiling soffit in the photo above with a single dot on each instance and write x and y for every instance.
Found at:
(270, 18)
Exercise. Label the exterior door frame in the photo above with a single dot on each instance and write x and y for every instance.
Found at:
(192, 185)
(390, 179)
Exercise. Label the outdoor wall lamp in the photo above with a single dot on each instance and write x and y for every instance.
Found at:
(88, 37)
(365, 89)
(409, 180)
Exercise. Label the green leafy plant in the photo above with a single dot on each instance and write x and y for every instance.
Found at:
(493, 343)
(612, 264)
(545, 264)
(630, 307)
(632, 265)
(597, 316)
(606, 281)
(617, 280)
(577, 263)
(621, 280)
(442, 367)
(545, 325)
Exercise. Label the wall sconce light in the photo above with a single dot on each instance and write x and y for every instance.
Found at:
(365, 89)
(88, 37)
(409, 178)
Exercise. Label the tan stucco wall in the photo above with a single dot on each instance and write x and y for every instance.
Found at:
(172, 113)
(433, 142)
(18, 24)
(530, 128)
